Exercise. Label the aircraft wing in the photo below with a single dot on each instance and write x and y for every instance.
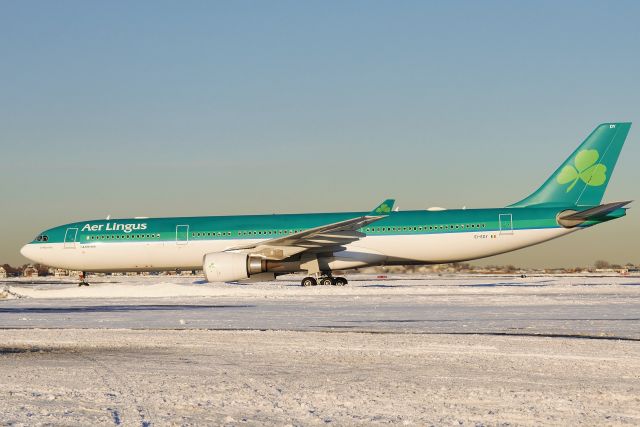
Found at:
(325, 236)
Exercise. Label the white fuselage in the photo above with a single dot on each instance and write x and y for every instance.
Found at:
(370, 250)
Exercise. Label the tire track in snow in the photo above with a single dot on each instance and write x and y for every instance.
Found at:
(130, 407)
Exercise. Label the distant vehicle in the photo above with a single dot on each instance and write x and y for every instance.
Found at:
(236, 248)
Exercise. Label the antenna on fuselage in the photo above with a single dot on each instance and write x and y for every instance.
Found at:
(108, 217)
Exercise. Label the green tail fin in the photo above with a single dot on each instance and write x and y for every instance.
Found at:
(582, 179)
(384, 207)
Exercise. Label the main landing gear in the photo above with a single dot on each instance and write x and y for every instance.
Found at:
(324, 281)
(83, 279)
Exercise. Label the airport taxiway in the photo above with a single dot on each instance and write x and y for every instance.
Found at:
(439, 350)
(586, 306)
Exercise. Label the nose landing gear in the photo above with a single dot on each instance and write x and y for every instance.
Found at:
(83, 279)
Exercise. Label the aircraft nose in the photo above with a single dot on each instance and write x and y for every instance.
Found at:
(27, 251)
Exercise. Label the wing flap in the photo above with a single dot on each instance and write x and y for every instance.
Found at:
(330, 235)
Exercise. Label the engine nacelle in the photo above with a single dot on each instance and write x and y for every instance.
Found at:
(229, 266)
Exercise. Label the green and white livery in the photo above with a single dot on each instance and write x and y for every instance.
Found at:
(235, 248)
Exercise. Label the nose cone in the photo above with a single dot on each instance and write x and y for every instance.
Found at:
(27, 251)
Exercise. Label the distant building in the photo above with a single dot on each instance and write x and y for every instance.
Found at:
(3, 273)
(30, 271)
(74, 273)
(58, 272)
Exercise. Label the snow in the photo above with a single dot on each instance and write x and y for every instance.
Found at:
(360, 285)
(107, 377)
(430, 350)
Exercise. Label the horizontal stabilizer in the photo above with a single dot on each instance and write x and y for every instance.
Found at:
(572, 218)
(598, 211)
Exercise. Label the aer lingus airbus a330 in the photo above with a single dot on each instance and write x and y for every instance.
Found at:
(236, 248)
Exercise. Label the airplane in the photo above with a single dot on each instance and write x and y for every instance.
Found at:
(261, 247)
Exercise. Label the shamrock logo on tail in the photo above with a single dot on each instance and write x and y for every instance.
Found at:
(586, 169)
(383, 208)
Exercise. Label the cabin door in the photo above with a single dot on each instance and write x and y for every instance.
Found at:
(70, 238)
(506, 224)
(182, 234)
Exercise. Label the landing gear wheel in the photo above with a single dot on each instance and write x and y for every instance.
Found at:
(83, 281)
(308, 281)
(340, 281)
(327, 281)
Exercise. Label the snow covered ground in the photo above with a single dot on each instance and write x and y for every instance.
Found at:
(589, 306)
(289, 286)
(443, 350)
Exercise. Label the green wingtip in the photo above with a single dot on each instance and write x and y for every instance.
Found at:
(384, 208)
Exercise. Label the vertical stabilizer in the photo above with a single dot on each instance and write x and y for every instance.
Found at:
(582, 179)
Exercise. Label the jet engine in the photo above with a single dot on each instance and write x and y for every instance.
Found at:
(230, 266)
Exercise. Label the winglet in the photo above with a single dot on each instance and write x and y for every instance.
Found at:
(384, 208)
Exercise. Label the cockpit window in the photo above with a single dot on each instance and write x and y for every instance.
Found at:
(39, 238)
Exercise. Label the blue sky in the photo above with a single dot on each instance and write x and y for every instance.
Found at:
(194, 108)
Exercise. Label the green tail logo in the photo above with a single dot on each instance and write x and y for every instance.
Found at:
(383, 208)
(586, 169)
